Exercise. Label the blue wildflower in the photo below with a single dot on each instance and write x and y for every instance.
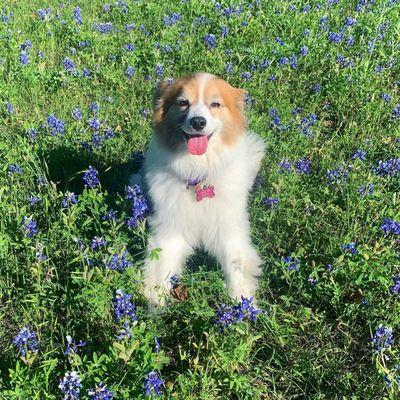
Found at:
(390, 226)
(386, 97)
(395, 289)
(360, 154)
(32, 200)
(337, 176)
(94, 124)
(91, 178)
(210, 41)
(103, 27)
(119, 262)
(14, 169)
(285, 165)
(124, 331)
(303, 166)
(70, 386)
(350, 247)
(55, 125)
(72, 347)
(69, 200)
(69, 65)
(293, 264)
(31, 133)
(156, 345)
(139, 204)
(271, 202)
(153, 384)
(396, 112)
(26, 341)
(29, 227)
(123, 307)
(23, 58)
(77, 114)
(159, 70)
(172, 19)
(98, 242)
(390, 167)
(366, 189)
(100, 392)
(129, 72)
(383, 338)
(77, 16)
(109, 216)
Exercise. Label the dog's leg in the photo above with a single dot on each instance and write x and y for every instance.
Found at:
(162, 264)
(239, 260)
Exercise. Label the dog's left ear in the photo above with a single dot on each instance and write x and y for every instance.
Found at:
(158, 94)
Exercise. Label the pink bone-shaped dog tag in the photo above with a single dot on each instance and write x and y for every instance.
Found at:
(206, 192)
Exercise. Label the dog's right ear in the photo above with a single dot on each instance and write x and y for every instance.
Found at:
(159, 94)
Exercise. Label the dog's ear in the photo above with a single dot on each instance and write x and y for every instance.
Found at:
(159, 94)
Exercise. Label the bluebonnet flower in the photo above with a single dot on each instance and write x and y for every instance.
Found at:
(139, 204)
(159, 70)
(145, 112)
(103, 27)
(337, 176)
(228, 67)
(293, 264)
(29, 227)
(91, 177)
(70, 386)
(172, 19)
(229, 315)
(390, 167)
(156, 345)
(303, 166)
(77, 16)
(174, 280)
(246, 75)
(129, 27)
(123, 307)
(14, 169)
(349, 21)
(390, 226)
(23, 58)
(224, 31)
(328, 267)
(210, 41)
(395, 289)
(265, 64)
(9, 108)
(396, 112)
(100, 392)
(108, 133)
(129, 71)
(31, 133)
(360, 154)
(124, 331)
(72, 347)
(293, 61)
(276, 121)
(86, 73)
(32, 200)
(271, 202)
(285, 165)
(109, 216)
(383, 338)
(94, 124)
(76, 114)
(279, 41)
(55, 125)
(315, 87)
(98, 242)
(26, 341)
(153, 384)
(69, 200)
(283, 61)
(306, 123)
(94, 107)
(129, 47)
(350, 247)
(69, 65)
(366, 189)
(343, 61)
(312, 281)
(43, 13)
(82, 44)
(119, 262)
(39, 256)
(386, 97)
(350, 41)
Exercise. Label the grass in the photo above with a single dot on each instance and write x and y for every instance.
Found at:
(313, 339)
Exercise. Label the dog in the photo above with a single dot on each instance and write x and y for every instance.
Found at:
(198, 171)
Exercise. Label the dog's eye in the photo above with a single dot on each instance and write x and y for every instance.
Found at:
(183, 103)
(215, 104)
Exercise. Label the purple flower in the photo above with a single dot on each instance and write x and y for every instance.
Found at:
(271, 202)
(77, 16)
(246, 75)
(69, 200)
(129, 71)
(72, 347)
(14, 169)
(293, 264)
(390, 226)
(386, 97)
(32, 200)
(156, 345)
(285, 165)
(91, 178)
(224, 31)
(383, 338)
(159, 70)
(119, 262)
(350, 247)
(172, 19)
(109, 216)
(31, 133)
(337, 176)
(303, 166)
(366, 189)
(229, 67)
(55, 125)
(70, 386)
(123, 307)
(124, 331)
(389, 167)
(23, 58)
(98, 242)
(210, 41)
(360, 154)
(396, 112)
(100, 392)
(29, 227)
(103, 27)
(76, 114)
(395, 289)
(26, 341)
(139, 204)
(69, 65)
(153, 384)
(94, 124)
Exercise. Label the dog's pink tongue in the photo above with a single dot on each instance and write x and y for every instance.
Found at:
(197, 145)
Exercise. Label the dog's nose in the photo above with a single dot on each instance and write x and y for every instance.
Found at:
(198, 123)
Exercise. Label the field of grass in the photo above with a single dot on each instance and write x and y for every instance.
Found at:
(323, 88)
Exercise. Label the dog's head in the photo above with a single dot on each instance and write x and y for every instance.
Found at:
(198, 111)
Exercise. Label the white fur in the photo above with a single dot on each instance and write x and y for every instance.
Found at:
(180, 224)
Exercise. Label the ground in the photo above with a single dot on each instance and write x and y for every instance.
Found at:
(322, 88)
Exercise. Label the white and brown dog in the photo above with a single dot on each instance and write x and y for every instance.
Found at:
(199, 168)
